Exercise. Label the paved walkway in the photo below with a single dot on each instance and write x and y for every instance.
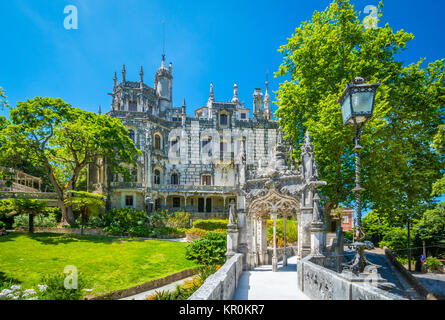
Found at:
(433, 282)
(168, 287)
(263, 284)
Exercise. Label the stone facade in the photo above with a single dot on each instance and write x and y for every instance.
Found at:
(197, 164)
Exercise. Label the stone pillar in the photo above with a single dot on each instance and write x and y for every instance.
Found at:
(255, 241)
(232, 233)
(274, 256)
(317, 229)
(262, 235)
(304, 224)
(242, 236)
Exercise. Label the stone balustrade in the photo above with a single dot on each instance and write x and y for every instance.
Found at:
(222, 284)
(320, 283)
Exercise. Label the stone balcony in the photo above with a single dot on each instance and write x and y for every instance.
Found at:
(174, 187)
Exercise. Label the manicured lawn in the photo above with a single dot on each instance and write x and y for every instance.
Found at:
(108, 263)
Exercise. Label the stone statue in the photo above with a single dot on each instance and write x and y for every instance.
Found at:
(232, 214)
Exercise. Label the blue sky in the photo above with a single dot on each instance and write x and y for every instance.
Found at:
(219, 41)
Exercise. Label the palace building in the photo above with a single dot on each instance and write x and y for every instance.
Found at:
(198, 164)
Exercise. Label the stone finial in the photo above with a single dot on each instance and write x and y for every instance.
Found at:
(170, 67)
(99, 112)
(211, 96)
(267, 114)
(141, 74)
(115, 79)
(124, 72)
(235, 95)
(257, 102)
(183, 106)
(163, 61)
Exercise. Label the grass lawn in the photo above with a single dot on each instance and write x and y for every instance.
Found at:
(108, 263)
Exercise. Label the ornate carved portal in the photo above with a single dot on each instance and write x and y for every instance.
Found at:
(280, 190)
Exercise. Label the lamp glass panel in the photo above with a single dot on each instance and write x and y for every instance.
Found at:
(346, 108)
(362, 102)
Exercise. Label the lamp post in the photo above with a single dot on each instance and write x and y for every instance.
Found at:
(357, 106)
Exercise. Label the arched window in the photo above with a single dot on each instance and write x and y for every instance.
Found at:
(132, 106)
(174, 178)
(174, 145)
(157, 142)
(131, 135)
(134, 175)
(207, 146)
(223, 119)
(157, 177)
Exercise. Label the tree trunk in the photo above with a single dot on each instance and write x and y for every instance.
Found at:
(30, 223)
(67, 213)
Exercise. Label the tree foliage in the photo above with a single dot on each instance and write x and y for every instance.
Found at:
(398, 164)
(86, 203)
(64, 140)
(25, 206)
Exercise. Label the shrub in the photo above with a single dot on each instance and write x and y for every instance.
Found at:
(291, 232)
(210, 250)
(117, 221)
(432, 264)
(2, 225)
(22, 220)
(210, 225)
(348, 234)
(178, 219)
(196, 233)
(55, 289)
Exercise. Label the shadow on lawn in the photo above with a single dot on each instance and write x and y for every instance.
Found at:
(6, 281)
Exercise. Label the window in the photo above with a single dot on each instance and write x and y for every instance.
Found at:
(206, 146)
(243, 115)
(175, 147)
(222, 147)
(129, 201)
(134, 175)
(223, 119)
(176, 202)
(150, 110)
(132, 106)
(157, 142)
(206, 180)
(345, 219)
(157, 177)
(176, 119)
(174, 178)
(131, 135)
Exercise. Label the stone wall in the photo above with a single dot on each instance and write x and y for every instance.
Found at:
(150, 285)
(76, 231)
(290, 252)
(320, 283)
(222, 284)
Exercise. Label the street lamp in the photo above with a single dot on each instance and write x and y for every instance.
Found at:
(357, 105)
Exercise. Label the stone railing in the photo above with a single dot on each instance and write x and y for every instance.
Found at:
(186, 188)
(32, 195)
(126, 185)
(222, 284)
(320, 283)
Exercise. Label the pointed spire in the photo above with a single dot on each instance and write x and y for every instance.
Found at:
(183, 106)
(267, 114)
(100, 111)
(163, 61)
(211, 95)
(141, 74)
(124, 72)
(235, 94)
(115, 79)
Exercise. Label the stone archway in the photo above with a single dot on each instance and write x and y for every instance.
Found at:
(273, 203)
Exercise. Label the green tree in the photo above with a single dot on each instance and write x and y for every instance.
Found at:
(431, 229)
(88, 204)
(439, 146)
(398, 164)
(30, 207)
(64, 140)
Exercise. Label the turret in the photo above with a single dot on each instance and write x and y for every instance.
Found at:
(124, 72)
(235, 95)
(210, 101)
(163, 86)
(257, 103)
